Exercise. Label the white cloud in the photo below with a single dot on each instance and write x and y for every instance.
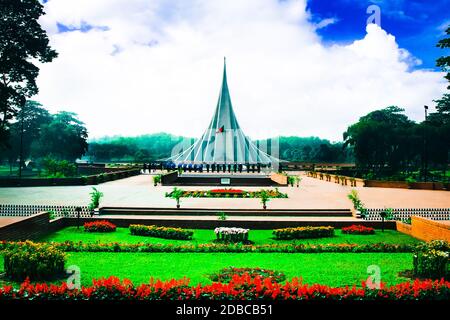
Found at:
(158, 68)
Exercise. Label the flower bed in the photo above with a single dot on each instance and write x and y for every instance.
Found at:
(240, 288)
(231, 234)
(70, 246)
(303, 233)
(230, 193)
(161, 232)
(358, 229)
(36, 261)
(227, 274)
(99, 226)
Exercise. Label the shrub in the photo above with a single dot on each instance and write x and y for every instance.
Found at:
(303, 233)
(431, 260)
(358, 229)
(58, 168)
(95, 198)
(222, 216)
(226, 274)
(357, 203)
(161, 232)
(99, 226)
(157, 179)
(36, 261)
(231, 234)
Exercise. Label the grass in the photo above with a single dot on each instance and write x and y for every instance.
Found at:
(334, 269)
(206, 236)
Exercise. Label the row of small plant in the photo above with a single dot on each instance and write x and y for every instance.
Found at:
(161, 232)
(79, 246)
(240, 287)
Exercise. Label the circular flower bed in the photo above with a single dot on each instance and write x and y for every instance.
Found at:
(358, 229)
(99, 226)
(227, 274)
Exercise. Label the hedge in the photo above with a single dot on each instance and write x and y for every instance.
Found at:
(161, 232)
(70, 246)
(239, 288)
(303, 233)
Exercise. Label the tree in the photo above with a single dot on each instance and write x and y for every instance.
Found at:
(64, 138)
(382, 138)
(444, 62)
(24, 131)
(21, 40)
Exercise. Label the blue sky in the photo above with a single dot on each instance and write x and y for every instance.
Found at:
(417, 25)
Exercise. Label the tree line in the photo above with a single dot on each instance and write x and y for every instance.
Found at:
(36, 134)
(387, 142)
(158, 146)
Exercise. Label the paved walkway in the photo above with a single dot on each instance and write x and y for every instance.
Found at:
(4, 221)
(139, 191)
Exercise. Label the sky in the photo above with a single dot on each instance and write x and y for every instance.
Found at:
(294, 67)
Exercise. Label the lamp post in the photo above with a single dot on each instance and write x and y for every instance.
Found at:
(78, 211)
(21, 141)
(383, 215)
(425, 151)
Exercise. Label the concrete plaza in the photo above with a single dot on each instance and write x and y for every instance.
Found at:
(138, 191)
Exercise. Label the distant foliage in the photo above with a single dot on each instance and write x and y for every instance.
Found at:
(159, 146)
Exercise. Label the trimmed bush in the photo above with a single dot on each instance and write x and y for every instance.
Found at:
(303, 233)
(99, 226)
(431, 260)
(36, 261)
(161, 232)
(358, 229)
(227, 274)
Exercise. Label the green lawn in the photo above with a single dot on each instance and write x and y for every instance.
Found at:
(335, 269)
(204, 236)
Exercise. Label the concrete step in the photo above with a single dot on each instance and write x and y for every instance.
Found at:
(228, 212)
